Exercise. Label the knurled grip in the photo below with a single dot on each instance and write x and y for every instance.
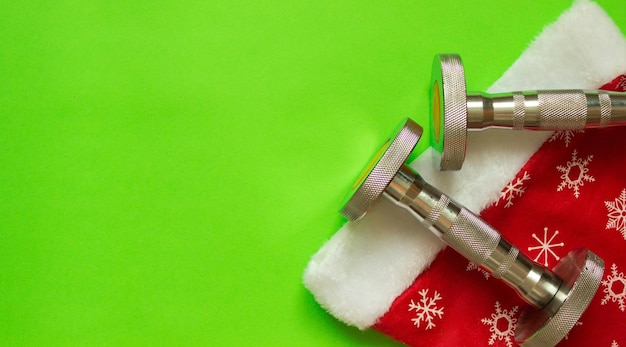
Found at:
(472, 237)
(605, 109)
(562, 110)
(550, 110)
(506, 263)
(519, 112)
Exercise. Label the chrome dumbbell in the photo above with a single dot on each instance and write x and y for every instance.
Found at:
(454, 111)
(559, 296)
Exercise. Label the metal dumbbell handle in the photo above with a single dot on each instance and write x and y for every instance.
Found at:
(455, 111)
(560, 295)
(472, 237)
(546, 110)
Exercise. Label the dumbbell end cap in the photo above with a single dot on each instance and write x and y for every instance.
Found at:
(448, 121)
(581, 271)
(381, 170)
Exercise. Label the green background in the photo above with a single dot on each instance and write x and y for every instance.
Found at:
(167, 168)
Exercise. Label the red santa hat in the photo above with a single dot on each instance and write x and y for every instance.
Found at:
(546, 192)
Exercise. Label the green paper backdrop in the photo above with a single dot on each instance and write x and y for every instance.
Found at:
(168, 168)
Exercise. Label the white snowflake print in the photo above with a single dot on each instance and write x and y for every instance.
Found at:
(565, 135)
(614, 344)
(545, 246)
(426, 309)
(473, 266)
(617, 213)
(495, 326)
(575, 174)
(615, 288)
(515, 187)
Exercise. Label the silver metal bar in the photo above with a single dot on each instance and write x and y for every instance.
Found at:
(560, 295)
(472, 237)
(455, 112)
(546, 110)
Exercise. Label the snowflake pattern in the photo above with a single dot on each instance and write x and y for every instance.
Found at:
(515, 187)
(576, 167)
(617, 213)
(615, 288)
(473, 266)
(545, 246)
(426, 309)
(495, 327)
(614, 344)
(565, 135)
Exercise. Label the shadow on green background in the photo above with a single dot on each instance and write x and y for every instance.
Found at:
(168, 168)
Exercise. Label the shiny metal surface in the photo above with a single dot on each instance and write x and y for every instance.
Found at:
(581, 271)
(449, 120)
(472, 237)
(530, 110)
(381, 170)
(558, 296)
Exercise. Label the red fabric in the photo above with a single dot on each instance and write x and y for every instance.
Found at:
(571, 193)
(618, 84)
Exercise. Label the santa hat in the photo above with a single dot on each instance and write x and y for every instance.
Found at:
(547, 193)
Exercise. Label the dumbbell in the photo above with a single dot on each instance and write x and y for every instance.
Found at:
(558, 296)
(454, 111)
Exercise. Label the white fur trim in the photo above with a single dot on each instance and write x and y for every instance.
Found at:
(359, 272)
